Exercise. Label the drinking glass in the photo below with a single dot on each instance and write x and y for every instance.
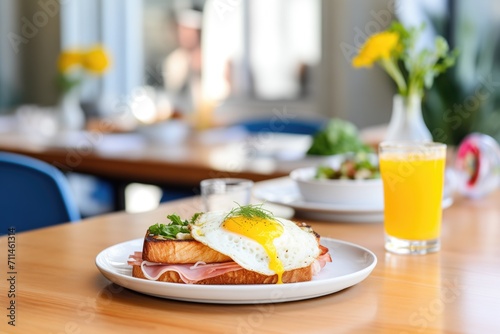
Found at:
(413, 180)
(225, 193)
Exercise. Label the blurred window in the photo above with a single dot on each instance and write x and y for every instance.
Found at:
(116, 24)
(284, 46)
(262, 49)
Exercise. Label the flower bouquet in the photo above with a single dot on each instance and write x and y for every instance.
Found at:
(412, 69)
(74, 65)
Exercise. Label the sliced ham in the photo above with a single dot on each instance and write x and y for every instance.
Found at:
(321, 261)
(324, 256)
(190, 273)
(135, 259)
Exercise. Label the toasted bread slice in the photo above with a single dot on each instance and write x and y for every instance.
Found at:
(241, 276)
(179, 251)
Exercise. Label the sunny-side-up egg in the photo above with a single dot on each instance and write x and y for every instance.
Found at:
(267, 246)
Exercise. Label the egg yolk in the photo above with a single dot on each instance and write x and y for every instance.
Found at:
(263, 231)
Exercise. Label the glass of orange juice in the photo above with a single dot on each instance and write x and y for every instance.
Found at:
(413, 179)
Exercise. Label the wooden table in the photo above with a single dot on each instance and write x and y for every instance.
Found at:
(133, 157)
(59, 289)
(125, 158)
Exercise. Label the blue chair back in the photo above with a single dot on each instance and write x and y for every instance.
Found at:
(276, 125)
(33, 194)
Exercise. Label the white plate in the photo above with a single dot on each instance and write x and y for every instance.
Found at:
(284, 191)
(351, 265)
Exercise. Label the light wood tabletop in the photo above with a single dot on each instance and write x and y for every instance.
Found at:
(58, 288)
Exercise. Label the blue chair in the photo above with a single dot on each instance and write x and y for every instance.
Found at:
(33, 194)
(277, 125)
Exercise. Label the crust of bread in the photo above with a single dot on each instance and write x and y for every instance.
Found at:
(179, 251)
(241, 276)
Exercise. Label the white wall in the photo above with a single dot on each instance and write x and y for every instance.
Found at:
(363, 96)
(39, 25)
(9, 64)
(29, 45)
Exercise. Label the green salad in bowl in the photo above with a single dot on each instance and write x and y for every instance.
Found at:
(359, 166)
(348, 179)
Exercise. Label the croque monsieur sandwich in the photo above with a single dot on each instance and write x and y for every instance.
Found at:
(244, 246)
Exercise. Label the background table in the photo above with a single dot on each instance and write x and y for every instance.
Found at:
(60, 290)
(125, 158)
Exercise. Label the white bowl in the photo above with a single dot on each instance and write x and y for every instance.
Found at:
(167, 132)
(346, 192)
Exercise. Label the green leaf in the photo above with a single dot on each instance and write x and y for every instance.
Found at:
(421, 66)
(176, 226)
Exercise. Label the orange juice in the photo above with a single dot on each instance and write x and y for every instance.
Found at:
(413, 192)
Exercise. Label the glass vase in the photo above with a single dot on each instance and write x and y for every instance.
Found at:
(407, 123)
(71, 115)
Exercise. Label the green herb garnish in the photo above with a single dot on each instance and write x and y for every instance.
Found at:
(250, 211)
(176, 226)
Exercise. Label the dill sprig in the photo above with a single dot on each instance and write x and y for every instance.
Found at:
(250, 211)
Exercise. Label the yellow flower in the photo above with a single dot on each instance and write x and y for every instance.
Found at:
(394, 51)
(69, 59)
(96, 60)
(379, 46)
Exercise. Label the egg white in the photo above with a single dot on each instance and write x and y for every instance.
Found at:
(296, 248)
